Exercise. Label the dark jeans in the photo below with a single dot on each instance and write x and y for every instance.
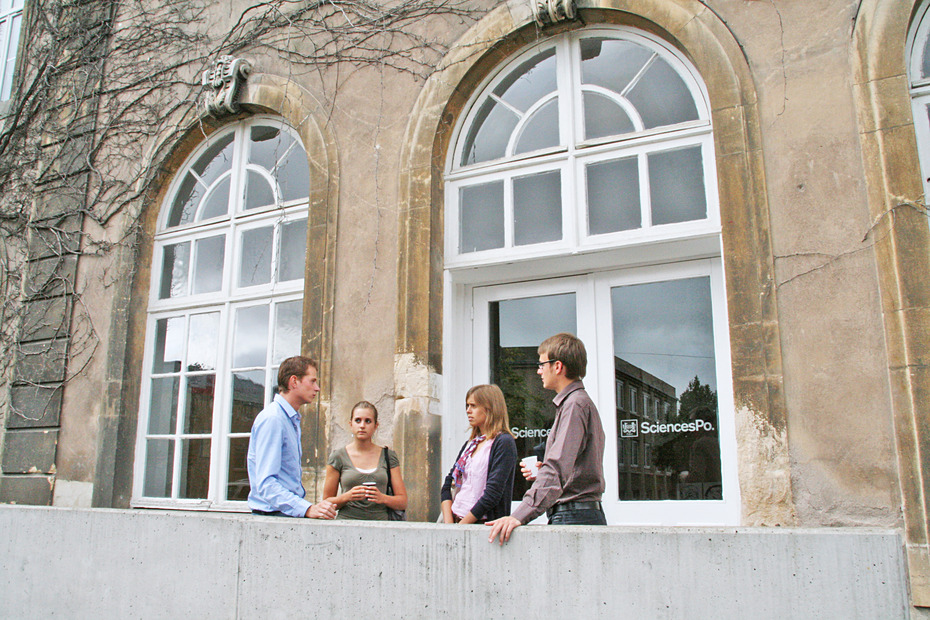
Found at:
(276, 513)
(588, 516)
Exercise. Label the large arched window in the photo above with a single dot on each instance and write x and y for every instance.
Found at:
(225, 308)
(581, 196)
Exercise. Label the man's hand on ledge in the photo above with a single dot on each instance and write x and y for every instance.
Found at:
(321, 510)
(503, 527)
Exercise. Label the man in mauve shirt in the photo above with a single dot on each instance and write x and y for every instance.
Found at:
(570, 481)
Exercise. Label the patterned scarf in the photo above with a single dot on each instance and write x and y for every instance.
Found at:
(458, 471)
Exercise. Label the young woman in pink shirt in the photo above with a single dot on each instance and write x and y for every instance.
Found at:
(480, 484)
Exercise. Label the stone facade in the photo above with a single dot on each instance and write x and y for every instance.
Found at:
(825, 259)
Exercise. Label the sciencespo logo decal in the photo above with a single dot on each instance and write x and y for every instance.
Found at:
(630, 428)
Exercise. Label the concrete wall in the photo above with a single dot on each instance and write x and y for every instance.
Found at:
(121, 564)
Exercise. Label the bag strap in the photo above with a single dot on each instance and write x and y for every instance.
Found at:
(387, 466)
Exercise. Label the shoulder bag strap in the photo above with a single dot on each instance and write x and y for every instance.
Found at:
(387, 466)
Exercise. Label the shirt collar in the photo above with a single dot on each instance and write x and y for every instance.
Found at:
(571, 387)
(292, 413)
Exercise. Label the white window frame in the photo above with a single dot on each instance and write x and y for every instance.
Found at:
(657, 253)
(575, 153)
(226, 301)
(11, 21)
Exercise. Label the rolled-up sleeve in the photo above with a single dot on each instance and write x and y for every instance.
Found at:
(562, 450)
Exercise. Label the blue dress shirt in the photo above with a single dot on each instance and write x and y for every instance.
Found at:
(274, 461)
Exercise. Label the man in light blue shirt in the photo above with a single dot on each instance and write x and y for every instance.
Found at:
(274, 448)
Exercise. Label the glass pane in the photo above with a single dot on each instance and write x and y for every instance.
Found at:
(541, 131)
(248, 399)
(293, 175)
(185, 201)
(198, 417)
(604, 117)
(613, 196)
(250, 339)
(537, 208)
(258, 192)
(10, 66)
(216, 160)
(169, 345)
(482, 217)
(612, 64)
(661, 97)
(202, 341)
(217, 203)
(237, 489)
(255, 257)
(174, 270)
(268, 146)
(287, 330)
(530, 82)
(163, 405)
(293, 253)
(195, 468)
(676, 185)
(159, 467)
(208, 267)
(925, 59)
(489, 133)
(664, 356)
(517, 328)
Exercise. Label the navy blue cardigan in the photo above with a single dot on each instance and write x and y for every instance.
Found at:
(502, 464)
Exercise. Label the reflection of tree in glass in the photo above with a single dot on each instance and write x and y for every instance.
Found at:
(673, 449)
(529, 406)
(696, 395)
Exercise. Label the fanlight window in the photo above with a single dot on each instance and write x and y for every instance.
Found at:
(225, 309)
(592, 134)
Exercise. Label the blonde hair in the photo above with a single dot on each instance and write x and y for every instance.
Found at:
(492, 399)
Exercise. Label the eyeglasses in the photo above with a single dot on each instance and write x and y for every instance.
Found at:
(541, 364)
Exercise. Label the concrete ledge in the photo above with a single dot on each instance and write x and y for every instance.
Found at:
(84, 563)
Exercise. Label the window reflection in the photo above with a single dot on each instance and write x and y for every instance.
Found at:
(664, 353)
(517, 328)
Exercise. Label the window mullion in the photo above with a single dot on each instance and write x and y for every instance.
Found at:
(219, 452)
(645, 202)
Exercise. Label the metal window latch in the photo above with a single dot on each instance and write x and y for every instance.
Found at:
(225, 77)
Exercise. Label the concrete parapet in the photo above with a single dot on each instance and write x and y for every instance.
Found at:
(82, 563)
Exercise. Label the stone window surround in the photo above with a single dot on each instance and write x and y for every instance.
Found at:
(902, 253)
(705, 40)
(261, 94)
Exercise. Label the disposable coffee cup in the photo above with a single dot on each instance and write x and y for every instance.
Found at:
(532, 464)
(369, 484)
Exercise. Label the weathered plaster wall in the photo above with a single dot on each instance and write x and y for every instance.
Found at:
(836, 382)
(829, 340)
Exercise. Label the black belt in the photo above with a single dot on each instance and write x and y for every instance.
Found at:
(574, 506)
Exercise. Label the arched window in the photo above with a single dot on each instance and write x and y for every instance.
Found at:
(593, 140)
(919, 77)
(581, 196)
(225, 309)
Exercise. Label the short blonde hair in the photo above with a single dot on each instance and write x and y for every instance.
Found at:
(492, 399)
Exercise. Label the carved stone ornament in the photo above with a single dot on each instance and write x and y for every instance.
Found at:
(549, 12)
(225, 78)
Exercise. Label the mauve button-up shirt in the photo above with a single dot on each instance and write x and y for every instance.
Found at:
(574, 466)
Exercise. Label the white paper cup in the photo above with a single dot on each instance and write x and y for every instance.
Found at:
(532, 464)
